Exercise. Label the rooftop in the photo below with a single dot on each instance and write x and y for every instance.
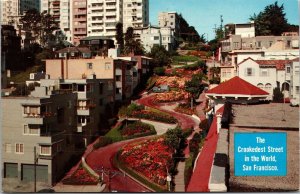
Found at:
(266, 115)
(237, 86)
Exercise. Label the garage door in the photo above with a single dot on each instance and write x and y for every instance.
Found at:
(10, 170)
(41, 173)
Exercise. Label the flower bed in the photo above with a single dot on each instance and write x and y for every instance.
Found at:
(155, 116)
(172, 96)
(185, 109)
(172, 82)
(80, 177)
(150, 158)
(137, 128)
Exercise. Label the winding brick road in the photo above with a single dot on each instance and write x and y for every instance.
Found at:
(103, 157)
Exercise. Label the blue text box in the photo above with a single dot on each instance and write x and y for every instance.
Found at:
(260, 154)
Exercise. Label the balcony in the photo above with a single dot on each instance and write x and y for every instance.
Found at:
(118, 72)
(85, 110)
(80, 32)
(40, 119)
(118, 84)
(51, 136)
(118, 97)
(81, 127)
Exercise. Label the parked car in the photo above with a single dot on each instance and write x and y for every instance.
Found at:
(294, 102)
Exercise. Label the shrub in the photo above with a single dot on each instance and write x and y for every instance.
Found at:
(137, 129)
(155, 116)
(187, 132)
(128, 111)
(159, 71)
(102, 141)
(80, 177)
(114, 134)
(204, 125)
(188, 169)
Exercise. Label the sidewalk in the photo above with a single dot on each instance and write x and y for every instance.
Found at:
(78, 188)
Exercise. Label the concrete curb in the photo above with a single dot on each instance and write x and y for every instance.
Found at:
(126, 174)
(89, 168)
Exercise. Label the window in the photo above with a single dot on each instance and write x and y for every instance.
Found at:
(259, 44)
(288, 43)
(288, 69)
(45, 150)
(260, 85)
(268, 88)
(236, 44)
(264, 72)
(297, 89)
(101, 102)
(90, 65)
(7, 148)
(32, 130)
(118, 78)
(101, 88)
(107, 66)
(118, 90)
(249, 72)
(270, 43)
(19, 148)
(156, 37)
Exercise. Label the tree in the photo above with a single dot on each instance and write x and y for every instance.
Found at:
(41, 26)
(271, 21)
(173, 138)
(278, 95)
(160, 55)
(120, 36)
(194, 86)
(159, 71)
(132, 45)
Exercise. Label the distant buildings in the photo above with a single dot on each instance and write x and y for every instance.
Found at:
(154, 35)
(135, 13)
(11, 10)
(169, 19)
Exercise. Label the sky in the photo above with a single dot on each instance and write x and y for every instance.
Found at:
(205, 14)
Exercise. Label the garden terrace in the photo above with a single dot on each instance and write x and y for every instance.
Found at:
(80, 177)
(139, 111)
(142, 161)
(129, 130)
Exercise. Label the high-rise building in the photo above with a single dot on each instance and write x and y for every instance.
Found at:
(103, 17)
(11, 10)
(60, 10)
(169, 19)
(79, 20)
(135, 13)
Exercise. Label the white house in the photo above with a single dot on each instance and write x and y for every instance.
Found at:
(265, 74)
(292, 75)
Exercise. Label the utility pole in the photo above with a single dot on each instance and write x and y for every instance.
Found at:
(35, 161)
(221, 17)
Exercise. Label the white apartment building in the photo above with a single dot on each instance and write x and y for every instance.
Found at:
(245, 30)
(135, 13)
(154, 35)
(61, 10)
(169, 19)
(102, 17)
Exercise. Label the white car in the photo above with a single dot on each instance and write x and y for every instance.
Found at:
(294, 102)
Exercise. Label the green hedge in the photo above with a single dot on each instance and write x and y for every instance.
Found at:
(188, 169)
(137, 176)
(184, 58)
(102, 141)
(115, 133)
